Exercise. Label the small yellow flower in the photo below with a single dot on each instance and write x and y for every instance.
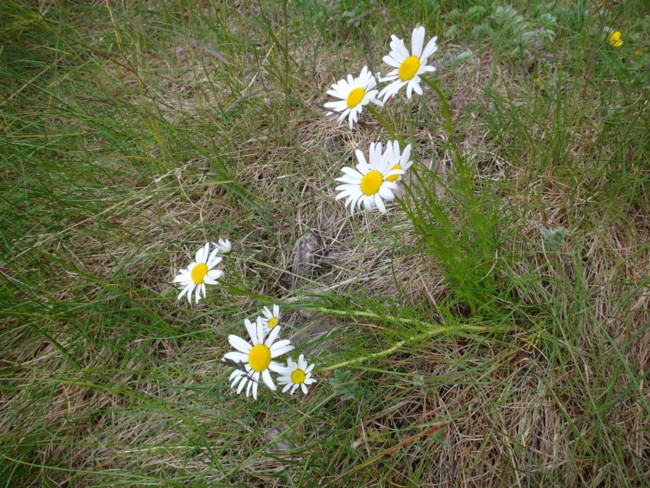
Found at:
(615, 39)
(538, 80)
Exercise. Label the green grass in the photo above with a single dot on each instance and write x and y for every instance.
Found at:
(461, 338)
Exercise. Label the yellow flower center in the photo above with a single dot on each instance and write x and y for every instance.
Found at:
(371, 182)
(298, 377)
(198, 273)
(409, 68)
(355, 97)
(393, 177)
(273, 322)
(260, 357)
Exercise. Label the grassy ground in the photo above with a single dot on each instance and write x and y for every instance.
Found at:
(490, 330)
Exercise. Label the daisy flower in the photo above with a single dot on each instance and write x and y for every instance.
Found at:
(408, 66)
(256, 357)
(270, 319)
(199, 273)
(224, 246)
(353, 93)
(615, 39)
(397, 161)
(296, 375)
(368, 184)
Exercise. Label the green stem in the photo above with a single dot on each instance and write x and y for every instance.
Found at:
(370, 315)
(438, 330)
(446, 111)
(387, 125)
(457, 153)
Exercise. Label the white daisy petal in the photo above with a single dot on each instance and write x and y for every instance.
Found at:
(279, 351)
(430, 48)
(245, 380)
(251, 329)
(360, 157)
(259, 327)
(215, 274)
(272, 336)
(348, 179)
(380, 204)
(209, 281)
(266, 376)
(214, 260)
(238, 357)
(234, 383)
(276, 367)
(386, 194)
(368, 204)
(417, 41)
(352, 171)
(211, 259)
(181, 277)
(240, 344)
(338, 106)
(187, 289)
(391, 61)
(399, 48)
(198, 258)
(198, 294)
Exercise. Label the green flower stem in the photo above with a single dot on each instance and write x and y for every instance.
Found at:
(474, 208)
(446, 113)
(433, 331)
(387, 125)
(370, 315)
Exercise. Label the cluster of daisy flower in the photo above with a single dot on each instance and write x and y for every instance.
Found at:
(375, 179)
(252, 360)
(368, 185)
(255, 359)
